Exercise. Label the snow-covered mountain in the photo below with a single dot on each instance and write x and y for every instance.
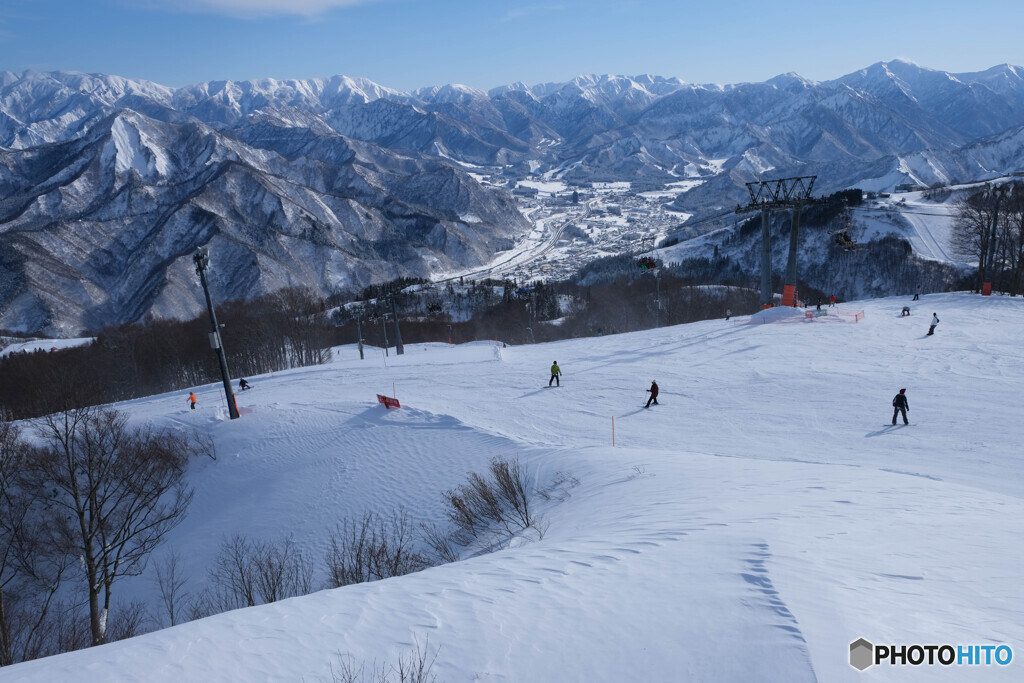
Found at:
(101, 228)
(107, 183)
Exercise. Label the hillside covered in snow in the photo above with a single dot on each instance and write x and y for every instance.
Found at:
(763, 516)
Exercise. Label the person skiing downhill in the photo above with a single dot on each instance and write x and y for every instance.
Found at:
(192, 399)
(935, 321)
(653, 391)
(900, 405)
(243, 385)
(555, 372)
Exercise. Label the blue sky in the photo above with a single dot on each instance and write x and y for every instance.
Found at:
(406, 44)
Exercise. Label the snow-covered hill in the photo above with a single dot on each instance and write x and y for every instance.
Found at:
(750, 527)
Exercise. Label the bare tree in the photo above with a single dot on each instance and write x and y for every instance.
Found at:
(413, 667)
(441, 542)
(248, 573)
(14, 507)
(66, 629)
(128, 621)
(1013, 209)
(514, 489)
(971, 224)
(116, 492)
(371, 549)
(234, 575)
(282, 571)
(170, 584)
(485, 502)
(31, 569)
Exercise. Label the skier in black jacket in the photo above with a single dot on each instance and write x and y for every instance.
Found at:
(900, 405)
(653, 391)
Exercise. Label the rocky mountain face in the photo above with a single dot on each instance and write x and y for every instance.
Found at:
(100, 228)
(108, 184)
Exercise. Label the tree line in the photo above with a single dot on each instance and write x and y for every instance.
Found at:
(976, 214)
(276, 332)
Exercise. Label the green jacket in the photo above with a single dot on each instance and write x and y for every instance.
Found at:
(555, 370)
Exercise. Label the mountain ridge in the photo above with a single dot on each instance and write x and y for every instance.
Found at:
(371, 183)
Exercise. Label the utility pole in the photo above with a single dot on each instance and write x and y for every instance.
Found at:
(767, 296)
(657, 298)
(359, 332)
(789, 286)
(766, 195)
(399, 348)
(202, 261)
(998, 192)
(384, 326)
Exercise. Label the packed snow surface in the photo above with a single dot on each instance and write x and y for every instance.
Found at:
(927, 225)
(748, 528)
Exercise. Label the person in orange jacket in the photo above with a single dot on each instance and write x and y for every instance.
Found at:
(192, 399)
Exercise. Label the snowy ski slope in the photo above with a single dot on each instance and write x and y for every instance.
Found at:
(750, 527)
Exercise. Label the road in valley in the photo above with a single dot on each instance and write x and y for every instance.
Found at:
(530, 254)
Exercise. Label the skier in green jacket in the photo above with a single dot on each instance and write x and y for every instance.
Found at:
(555, 372)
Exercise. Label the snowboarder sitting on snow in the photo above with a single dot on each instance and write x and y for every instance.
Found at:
(900, 405)
(243, 385)
(935, 321)
(906, 311)
(555, 372)
(653, 391)
(192, 399)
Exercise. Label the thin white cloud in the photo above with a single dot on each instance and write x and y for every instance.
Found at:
(249, 8)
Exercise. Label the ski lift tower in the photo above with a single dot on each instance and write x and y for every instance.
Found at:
(769, 195)
(202, 260)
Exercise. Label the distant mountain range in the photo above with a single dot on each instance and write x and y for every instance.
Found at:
(107, 184)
